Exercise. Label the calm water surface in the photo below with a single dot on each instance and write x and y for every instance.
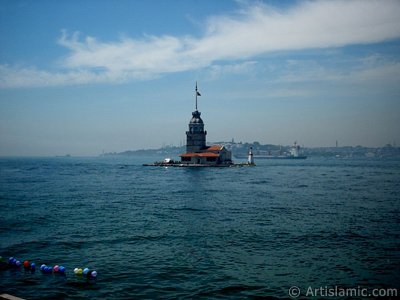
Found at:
(199, 233)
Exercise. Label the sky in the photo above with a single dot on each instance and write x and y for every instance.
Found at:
(83, 77)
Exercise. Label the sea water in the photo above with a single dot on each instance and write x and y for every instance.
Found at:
(156, 232)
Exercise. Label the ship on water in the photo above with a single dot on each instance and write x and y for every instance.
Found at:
(294, 153)
(198, 154)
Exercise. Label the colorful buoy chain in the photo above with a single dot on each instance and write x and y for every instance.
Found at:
(57, 269)
(85, 272)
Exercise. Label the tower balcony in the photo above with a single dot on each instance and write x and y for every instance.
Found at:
(196, 132)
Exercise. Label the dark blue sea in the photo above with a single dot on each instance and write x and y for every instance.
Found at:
(166, 233)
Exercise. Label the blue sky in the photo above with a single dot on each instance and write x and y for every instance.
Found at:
(81, 77)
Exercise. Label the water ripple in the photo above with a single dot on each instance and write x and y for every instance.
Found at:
(209, 233)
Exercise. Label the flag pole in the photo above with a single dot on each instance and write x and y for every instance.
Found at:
(196, 95)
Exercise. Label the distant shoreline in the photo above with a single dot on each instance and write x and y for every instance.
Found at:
(240, 149)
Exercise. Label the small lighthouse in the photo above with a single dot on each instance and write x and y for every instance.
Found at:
(250, 159)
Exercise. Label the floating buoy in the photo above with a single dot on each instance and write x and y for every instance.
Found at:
(45, 269)
(56, 269)
(89, 274)
(12, 261)
(27, 264)
(92, 274)
(61, 270)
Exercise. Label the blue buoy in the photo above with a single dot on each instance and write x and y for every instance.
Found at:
(93, 274)
(12, 261)
(45, 269)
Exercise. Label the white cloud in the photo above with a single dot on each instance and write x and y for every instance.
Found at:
(217, 71)
(17, 76)
(383, 74)
(316, 24)
(371, 69)
(256, 29)
(151, 54)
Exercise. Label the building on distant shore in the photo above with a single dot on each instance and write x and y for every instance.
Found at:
(197, 152)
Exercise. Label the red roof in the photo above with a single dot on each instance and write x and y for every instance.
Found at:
(201, 154)
(215, 148)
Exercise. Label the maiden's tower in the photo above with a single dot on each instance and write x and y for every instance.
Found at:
(197, 151)
(198, 154)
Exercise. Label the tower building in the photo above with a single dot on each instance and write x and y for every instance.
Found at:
(198, 154)
(196, 135)
(197, 151)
